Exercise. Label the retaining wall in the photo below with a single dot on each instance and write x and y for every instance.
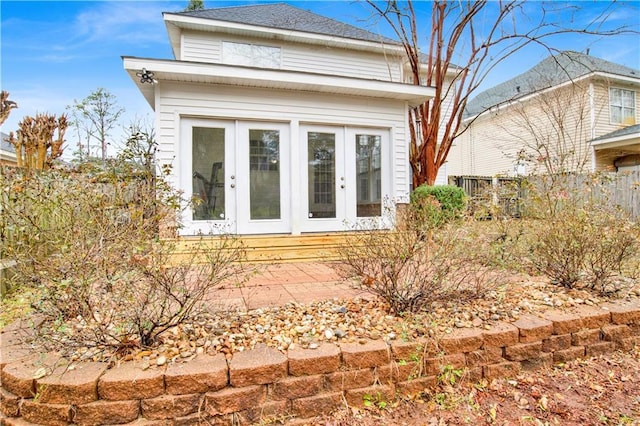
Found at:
(301, 384)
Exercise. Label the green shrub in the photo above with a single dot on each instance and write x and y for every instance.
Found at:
(452, 199)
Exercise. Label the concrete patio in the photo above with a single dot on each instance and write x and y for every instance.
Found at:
(280, 283)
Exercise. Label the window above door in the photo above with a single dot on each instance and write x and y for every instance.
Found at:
(252, 55)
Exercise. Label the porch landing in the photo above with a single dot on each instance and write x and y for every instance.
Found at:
(280, 283)
(269, 249)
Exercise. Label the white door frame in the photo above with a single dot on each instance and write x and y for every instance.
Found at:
(340, 184)
(387, 216)
(237, 178)
(226, 224)
(245, 224)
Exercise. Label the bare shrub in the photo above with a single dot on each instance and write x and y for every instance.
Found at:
(411, 266)
(582, 240)
(87, 243)
(562, 247)
(142, 294)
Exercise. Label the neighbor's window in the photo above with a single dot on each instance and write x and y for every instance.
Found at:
(622, 104)
(252, 55)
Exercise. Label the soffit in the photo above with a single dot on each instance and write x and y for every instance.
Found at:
(207, 73)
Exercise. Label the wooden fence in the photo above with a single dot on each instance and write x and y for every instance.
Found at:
(484, 191)
(621, 189)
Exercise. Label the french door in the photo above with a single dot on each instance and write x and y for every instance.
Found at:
(207, 175)
(323, 180)
(344, 176)
(263, 178)
(237, 175)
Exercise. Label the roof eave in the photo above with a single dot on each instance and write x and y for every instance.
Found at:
(523, 98)
(617, 77)
(219, 26)
(207, 73)
(617, 141)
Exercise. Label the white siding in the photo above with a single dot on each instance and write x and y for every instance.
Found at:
(234, 103)
(200, 47)
(203, 47)
(442, 177)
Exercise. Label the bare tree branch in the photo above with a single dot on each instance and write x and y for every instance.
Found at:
(466, 41)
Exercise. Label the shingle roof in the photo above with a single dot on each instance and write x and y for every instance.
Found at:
(4, 145)
(424, 59)
(552, 71)
(286, 17)
(625, 131)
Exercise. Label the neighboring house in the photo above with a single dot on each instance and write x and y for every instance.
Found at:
(278, 120)
(570, 112)
(7, 151)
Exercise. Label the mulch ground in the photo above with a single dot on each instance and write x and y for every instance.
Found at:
(604, 390)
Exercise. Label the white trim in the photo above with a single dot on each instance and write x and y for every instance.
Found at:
(197, 72)
(592, 111)
(617, 141)
(296, 186)
(8, 157)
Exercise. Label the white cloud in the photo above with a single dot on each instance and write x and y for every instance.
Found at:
(131, 22)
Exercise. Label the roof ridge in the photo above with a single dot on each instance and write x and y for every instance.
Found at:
(234, 7)
(288, 17)
(564, 66)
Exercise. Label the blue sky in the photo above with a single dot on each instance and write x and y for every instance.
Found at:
(53, 52)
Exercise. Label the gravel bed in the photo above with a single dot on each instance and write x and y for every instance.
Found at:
(355, 320)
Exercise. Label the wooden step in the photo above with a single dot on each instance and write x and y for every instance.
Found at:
(271, 248)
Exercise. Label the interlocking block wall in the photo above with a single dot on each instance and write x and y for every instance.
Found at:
(303, 383)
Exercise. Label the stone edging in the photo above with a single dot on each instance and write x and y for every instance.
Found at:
(301, 384)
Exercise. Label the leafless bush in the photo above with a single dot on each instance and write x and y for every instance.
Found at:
(409, 267)
(587, 243)
(88, 245)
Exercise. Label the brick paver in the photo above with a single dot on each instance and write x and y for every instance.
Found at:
(279, 284)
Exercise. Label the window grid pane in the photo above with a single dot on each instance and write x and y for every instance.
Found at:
(321, 173)
(264, 174)
(250, 55)
(368, 166)
(622, 106)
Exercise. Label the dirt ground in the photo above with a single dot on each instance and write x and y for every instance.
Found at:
(597, 391)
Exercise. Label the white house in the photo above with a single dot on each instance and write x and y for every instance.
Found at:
(278, 120)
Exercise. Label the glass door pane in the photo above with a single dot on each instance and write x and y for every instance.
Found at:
(264, 174)
(368, 175)
(321, 174)
(208, 173)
